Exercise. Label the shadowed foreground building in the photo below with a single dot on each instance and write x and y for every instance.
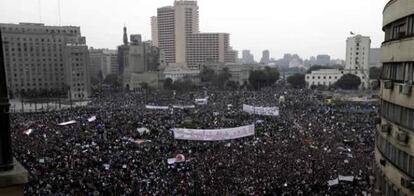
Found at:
(394, 152)
(12, 174)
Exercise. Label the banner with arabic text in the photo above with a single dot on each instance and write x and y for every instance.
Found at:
(213, 134)
(263, 111)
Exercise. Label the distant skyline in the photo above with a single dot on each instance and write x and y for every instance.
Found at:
(302, 27)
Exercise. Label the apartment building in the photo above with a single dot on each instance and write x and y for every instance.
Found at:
(40, 57)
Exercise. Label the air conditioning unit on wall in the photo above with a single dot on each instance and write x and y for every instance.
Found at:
(407, 88)
(403, 137)
(409, 184)
(388, 85)
(386, 128)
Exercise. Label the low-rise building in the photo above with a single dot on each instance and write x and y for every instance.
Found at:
(179, 71)
(137, 80)
(328, 77)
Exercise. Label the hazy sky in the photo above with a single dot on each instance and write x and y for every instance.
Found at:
(305, 27)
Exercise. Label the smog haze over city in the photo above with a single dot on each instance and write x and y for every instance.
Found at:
(207, 97)
(301, 27)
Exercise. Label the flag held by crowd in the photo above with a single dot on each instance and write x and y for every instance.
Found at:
(67, 123)
(179, 158)
(91, 119)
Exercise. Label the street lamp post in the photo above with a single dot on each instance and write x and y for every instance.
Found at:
(6, 157)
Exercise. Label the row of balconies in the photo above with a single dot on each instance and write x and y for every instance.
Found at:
(403, 138)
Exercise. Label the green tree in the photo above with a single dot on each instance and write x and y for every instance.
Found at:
(94, 81)
(168, 83)
(348, 82)
(113, 80)
(263, 78)
(100, 76)
(222, 78)
(185, 84)
(297, 80)
(144, 85)
(272, 75)
(255, 78)
(232, 85)
(207, 75)
(374, 73)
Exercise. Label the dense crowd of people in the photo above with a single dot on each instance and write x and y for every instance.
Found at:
(296, 153)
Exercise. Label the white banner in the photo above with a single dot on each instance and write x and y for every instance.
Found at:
(152, 107)
(201, 101)
(346, 178)
(183, 106)
(213, 134)
(263, 111)
(67, 123)
(333, 182)
(143, 130)
(91, 119)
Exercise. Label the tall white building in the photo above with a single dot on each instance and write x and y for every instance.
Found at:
(186, 23)
(154, 30)
(181, 41)
(51, 58)
(175, 24)
(357, 52)
(166, 32)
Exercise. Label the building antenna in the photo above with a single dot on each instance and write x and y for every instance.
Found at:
(59, 12)
(40, 10)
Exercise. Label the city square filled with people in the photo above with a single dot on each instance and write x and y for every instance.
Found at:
(117, 146)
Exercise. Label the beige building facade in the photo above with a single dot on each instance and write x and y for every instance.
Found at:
(207, 47)
(175, 24)
(394, 152)
(39, 57)
(180, 39)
